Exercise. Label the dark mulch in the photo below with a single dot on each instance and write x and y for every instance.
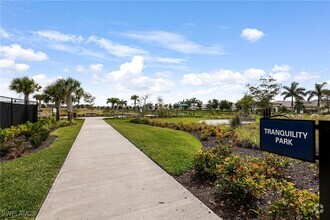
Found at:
(22, 147)
(303, 174)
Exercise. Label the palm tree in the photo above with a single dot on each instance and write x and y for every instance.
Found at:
(318, 92)
(294, 92)
(39, 98)
(24, 85)
(113, 101)
(122, 103)
(54, 93)
(193, 101)
(72, 92)
(135, 98)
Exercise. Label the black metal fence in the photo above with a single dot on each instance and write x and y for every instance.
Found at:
(14, 112)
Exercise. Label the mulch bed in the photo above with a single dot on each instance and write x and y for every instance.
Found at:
(24, 147)
(302, 174)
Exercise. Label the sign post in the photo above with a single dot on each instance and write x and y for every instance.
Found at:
(296, 139)
(324, 134)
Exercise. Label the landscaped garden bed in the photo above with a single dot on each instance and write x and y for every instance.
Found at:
(238, 181)
(25, 181)
(27, 138)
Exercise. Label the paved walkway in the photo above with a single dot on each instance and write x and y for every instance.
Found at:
(106, 177)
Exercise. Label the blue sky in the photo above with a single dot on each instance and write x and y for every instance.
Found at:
(176, 49)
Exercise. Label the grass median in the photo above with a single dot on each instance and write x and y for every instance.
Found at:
(25, 181)
(173, 150)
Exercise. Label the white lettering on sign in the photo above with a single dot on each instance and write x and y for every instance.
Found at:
(285, 141)
(285, 133)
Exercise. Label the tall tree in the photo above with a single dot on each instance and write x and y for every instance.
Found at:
(319, 92)
(54, 93)
(90, 99)
(122, 103)
(39, 98)
(73, 92)
(213, 104)
(327, 99)
(193, 101)
(225, 105)
(246, 104)
(265, 92)
(134, 98)
(294, 92)
(113, 101)
(24, 85)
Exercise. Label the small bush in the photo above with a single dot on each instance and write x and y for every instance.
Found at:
(293, 203)
(276, 165)
(205, 134)
(240, 181)
(235, 121)
(4, 149)
(205, 161)
(37, 138)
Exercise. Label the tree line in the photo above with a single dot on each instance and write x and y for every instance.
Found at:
(261, 96)
(62, 91)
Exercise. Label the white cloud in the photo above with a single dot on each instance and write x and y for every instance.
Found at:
(254, 73)
(281, 76)
(96, 68)
(128, 69)
(174, 42)
(252, 34)
(58, 36)
(81, 69)
(93, 68)
(212, 78)
(10, 65)
(4, 33)
(281, 68)
(161, 85)
(15, 51)
(130, 78)
(281, 72)
(115, 48)
(305, 76)
(77, 50)
(166, 60)
(44, 81)
(163, 74)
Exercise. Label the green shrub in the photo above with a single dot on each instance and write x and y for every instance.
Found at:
(140, 120)
(205, 134)
(293, 203)
(4, 149)
(37, 138)
(206, 160)
(275, 165)
(242, 182)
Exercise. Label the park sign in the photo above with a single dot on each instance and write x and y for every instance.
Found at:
(292, 138)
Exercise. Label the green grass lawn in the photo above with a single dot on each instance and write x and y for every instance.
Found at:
(25, 182)
(173, 150)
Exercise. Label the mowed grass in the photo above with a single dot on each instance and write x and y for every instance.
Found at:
(173, 150)
(25, 182)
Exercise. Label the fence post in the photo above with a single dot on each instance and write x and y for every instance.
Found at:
(11, 112)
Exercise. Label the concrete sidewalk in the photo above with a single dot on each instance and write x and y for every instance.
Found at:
(106, 177)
